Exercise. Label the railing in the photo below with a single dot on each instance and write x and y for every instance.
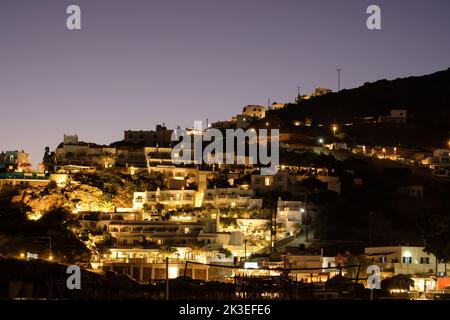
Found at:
(24, 176)
(286, 240)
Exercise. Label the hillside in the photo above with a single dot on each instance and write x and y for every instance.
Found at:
(426, 98)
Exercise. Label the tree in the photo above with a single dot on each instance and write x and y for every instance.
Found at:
(196, 248)
(145, 243)
(436, 231)
(398, 282)
(49, 160)
(353, 260)
(167, 250)
(107, 157)
(106, 204)
(227, 253)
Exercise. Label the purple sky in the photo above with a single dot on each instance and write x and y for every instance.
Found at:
(138, 63)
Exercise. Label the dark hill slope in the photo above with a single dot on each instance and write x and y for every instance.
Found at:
(427, 99)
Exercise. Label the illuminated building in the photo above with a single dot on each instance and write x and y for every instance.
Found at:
(394, 260)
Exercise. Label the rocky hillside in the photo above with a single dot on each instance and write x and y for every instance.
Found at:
(82, 197)
(99, 191)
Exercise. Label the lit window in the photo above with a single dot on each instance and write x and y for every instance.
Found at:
(173, 272)
(267, 181)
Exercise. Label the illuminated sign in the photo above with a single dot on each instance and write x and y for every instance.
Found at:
(251, 265)
(32, 256)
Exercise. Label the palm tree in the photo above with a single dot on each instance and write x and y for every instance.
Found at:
(107, 156)
(166, 250)
(196, 248)
(106, 204)
(146, 243)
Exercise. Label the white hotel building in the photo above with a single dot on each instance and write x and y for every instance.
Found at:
(409, 260)
(216, 198)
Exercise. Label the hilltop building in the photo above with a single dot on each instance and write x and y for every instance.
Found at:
(74, 152)
(161, 137)
(320, 92)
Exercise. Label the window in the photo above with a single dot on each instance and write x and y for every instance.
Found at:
(383, 259)
(424, 260)
(267, 181)
(407, 260)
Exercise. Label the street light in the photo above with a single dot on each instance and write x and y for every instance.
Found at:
(306, 220)
(334, 129)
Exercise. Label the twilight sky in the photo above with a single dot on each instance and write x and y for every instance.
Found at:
(137, 63)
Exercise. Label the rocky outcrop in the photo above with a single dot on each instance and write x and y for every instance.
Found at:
(75, 197)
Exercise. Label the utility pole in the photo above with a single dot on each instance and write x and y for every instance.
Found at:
(167, 278)
(299, 98)
(437, 267)
(245, 250)
(306, 224)
(306, 219)
(339, 78)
